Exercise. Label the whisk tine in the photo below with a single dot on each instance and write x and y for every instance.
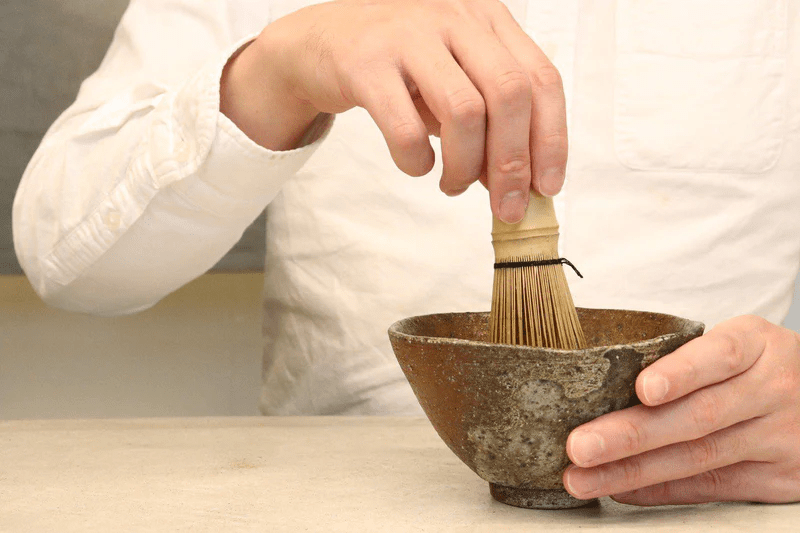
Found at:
(534, 307)
(532, 303)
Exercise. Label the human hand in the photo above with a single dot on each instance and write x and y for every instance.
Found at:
(463, 70)
(720, 422)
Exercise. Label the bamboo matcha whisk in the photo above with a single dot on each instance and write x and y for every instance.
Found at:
(531, 301)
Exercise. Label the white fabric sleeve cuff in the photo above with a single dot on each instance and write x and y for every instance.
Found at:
(189, 147)
(236, 176)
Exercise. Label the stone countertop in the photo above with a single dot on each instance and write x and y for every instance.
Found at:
(289, 474)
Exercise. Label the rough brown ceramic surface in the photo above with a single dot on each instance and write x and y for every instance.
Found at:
(506, 410)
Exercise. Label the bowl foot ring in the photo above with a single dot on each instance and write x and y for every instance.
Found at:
(537, 498)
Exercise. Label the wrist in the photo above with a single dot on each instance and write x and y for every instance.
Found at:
(259, 100)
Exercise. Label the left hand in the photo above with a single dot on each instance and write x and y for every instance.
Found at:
(720, 421)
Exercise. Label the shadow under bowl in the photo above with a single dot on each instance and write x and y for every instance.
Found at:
(506, 411)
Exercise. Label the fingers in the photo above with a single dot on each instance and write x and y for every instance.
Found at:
(729, 349)
(458, 106)
(548, 138)
(768, 472)
(506, 90)
(482, 98)
(640, 429)
(747, 481)
(732, 436)
(385, 96)
(465, 71)
(677, 461)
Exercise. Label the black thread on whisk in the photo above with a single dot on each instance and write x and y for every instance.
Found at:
(542, 262)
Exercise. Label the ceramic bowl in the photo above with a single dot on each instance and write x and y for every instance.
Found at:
(506, 411)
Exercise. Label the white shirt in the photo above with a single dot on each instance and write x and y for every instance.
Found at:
(682, 189)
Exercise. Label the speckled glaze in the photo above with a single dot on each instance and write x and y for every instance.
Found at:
(506, 410)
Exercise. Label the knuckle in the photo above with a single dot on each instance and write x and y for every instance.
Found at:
(704, 453)
(732, 352)
(755, 322)
(407, 135)
(704, 412)
(466, 108)
(513, 86)
(634, 437)
(712, 482)
(554, 144)
(547, 77)
(515, 166)
(689, 369)
(632, 472)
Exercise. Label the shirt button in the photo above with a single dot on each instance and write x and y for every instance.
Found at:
(112, 220)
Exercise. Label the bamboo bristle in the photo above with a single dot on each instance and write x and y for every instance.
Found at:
(532, 305)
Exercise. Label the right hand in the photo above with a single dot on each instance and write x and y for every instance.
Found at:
(463, 70)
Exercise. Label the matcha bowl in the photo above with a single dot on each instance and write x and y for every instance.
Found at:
(506, 411)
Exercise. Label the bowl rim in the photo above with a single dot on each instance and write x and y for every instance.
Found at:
(692, 328)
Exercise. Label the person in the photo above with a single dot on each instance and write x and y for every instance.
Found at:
(681, 197)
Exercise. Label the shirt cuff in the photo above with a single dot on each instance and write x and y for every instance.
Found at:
(191, 148)
(235, 176)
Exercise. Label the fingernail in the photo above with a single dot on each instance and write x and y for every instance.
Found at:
(585, 447)
(512, 207)
(580, 484)
(550, 181)
(655, 387)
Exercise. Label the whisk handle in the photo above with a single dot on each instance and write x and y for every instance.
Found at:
(539, 220)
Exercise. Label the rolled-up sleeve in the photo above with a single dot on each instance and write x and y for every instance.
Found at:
(142, 184)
